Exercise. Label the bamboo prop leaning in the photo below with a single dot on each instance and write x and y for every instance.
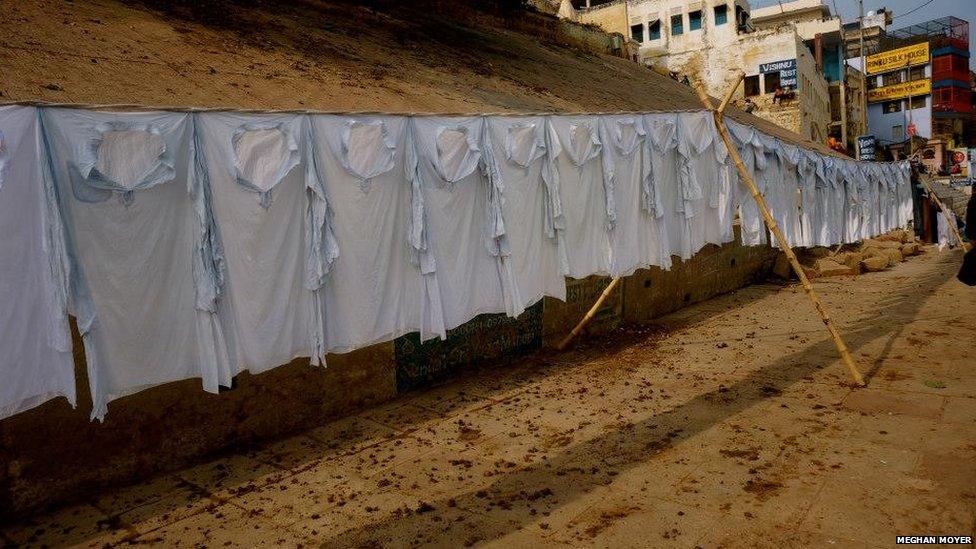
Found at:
(924, 179)
(589, 314)
(774, 228)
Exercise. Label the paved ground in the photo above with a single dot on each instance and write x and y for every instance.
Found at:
(727, 424)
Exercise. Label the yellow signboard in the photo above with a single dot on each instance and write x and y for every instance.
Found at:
(898, 59)
(897, 91)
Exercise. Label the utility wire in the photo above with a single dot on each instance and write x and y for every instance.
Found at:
(913, 10)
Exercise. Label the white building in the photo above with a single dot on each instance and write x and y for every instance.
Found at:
(712, 40)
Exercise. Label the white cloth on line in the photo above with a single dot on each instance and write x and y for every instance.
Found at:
(462, 194)
(635, 240)
(526, 151)
(263, 191)
(661, 184)
(830, 201)
(947, 236)
(35, 341)
(704, 184)
(146, 266)
(588, 211)
(781, 190)
(376, 290)
(443, 218)
(752, 151)
(906, 211)
(811, 216)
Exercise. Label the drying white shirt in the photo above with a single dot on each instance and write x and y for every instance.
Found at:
(462, 194)
(892, 206)
(588, 210)
(35, 342)
(662, 187)
(525, 151)
(703, 183)
(811, 216)
(146, 264)
(376, 291)
(947, 237)
(635, 240)
(906, 211)
(781, 188)
(850, 175)
(868, 191)
(830, 199)
(262, 189)
(752, 151)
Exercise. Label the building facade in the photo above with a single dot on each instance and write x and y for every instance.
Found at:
(920, 92)
(711, 41)
(823, 35)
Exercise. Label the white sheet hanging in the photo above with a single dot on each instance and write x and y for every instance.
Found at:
(811, 216)
(526, 151)
(146, 264)
(947, 237)
(635, 239)
(376, 291)
(35, 342)
(661, 192)
(906, 212)
(782, 193)
(892, 179)
(869, 186)
(849, 174)
(462, 204)
(831, 197)
(263, 191)
(702, 183)
(589, 213)
(752, 151)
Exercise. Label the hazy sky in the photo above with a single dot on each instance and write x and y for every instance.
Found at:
(934, 9)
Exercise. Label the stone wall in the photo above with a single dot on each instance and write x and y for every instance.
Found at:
(53, 453)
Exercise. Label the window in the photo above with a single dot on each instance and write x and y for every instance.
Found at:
(637, 32)
(695, 20)
(770, 82)
(889, 107)
(872, 82)
(721, 14)
(918, 103)
(742, 19)
(891, 78)
(897, 131)
(752, 86)
(655, 29)
(916, 73)
(677, 25)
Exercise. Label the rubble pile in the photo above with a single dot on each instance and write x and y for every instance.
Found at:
(872, 255)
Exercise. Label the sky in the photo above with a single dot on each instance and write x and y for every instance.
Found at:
(848, 11)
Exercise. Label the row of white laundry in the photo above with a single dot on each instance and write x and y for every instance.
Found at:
(199, 245)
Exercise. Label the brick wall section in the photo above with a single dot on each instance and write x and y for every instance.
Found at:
(713, 271)
(53, 453)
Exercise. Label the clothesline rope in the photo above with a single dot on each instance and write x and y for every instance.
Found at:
(176, 108)
(171, 108)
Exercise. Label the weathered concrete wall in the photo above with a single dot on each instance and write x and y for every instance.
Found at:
(53, 453)
(611, 17)
(715, 270)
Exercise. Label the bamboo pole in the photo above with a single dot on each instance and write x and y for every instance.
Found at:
(955, 229)
(589, 314)
(773, 226)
